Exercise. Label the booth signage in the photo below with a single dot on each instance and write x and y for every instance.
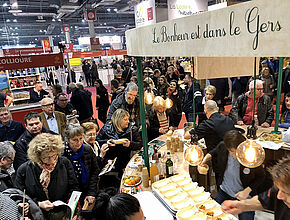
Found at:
(145, 13)
(66, 28)
(181, 8)
(90, 15)
(69, 47)
(22, 51)
(89, 54)
(262, 27)
(3, 81)
(46, 45)
(116, 52)
(22, 62)
(95, 41)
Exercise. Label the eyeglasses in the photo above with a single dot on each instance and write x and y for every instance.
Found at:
(10, 159)
(48, 158)
(91, 135)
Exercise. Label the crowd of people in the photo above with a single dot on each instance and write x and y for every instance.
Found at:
(62, 149)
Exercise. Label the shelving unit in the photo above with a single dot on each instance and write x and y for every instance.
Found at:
(21, 81)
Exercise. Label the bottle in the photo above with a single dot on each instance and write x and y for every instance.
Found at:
(256, 120)
(154, 172)
(160, 167)
(155, 154)
(169, 166)
(145, 177)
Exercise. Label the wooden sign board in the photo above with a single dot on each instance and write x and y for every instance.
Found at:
(250, 29)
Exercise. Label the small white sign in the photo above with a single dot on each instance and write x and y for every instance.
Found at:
(145, 13)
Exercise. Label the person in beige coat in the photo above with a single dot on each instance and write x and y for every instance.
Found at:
(51, 119)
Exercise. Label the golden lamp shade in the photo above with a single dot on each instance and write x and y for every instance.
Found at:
(250, 154)
(149, 97)
(193, 155)
(168, 103)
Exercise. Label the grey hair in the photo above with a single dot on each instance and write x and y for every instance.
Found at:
(72, 86)
(131, 87)
(211, 106)
(6, 149)
(80, 85)
(258, 81)
(73, 130)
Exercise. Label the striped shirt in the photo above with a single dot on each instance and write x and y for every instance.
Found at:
(163, 121)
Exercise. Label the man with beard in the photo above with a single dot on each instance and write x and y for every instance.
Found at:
(128, 101)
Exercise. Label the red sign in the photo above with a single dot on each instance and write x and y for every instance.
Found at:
(22, 51)
(69, 47)
(22, 62)
(117, 52)
(95, 41)
(90, 15)
(89, 54)
(46, 45)
(66, 28)
(150, 13)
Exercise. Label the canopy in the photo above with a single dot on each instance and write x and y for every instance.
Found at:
(252, 29)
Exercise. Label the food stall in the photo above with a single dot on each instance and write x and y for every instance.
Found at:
(239, 31)
(22, 72)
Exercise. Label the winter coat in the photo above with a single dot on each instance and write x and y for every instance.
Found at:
(265, 110)
(122, 153)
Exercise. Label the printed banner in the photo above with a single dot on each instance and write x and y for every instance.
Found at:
(22, 62)
(69, 47)
(249, 29)
(182, 8)
(46, 45)
(22, 51)
(3, 81)
(145, 13)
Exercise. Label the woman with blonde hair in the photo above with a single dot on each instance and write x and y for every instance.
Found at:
(209, 93)
(47, 176)
(158, 120)
(119, 128)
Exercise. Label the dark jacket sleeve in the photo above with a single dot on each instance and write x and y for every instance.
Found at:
(73, 184)
(258, 180)
(136, 143)
(94, 173)
(236, 111)
(20, 153)
(102, 138)
(270, 111)
(113, 107)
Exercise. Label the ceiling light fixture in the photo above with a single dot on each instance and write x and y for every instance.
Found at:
(83, 20)
(15, 11)
(14, 20)
(59, 19)
(53, 19)
(40, 31)
(108, 9)
(5, 4)
(15, 4)
(8, 20)
(115, 9)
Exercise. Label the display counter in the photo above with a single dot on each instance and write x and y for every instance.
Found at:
(183, 168)
(19, 111)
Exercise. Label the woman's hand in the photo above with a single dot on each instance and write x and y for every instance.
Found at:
(161, 131)
(242, 195)
(126, 143)
(104, 149)
(90, 199)
(175, 93)
(171, 128)
(24, 206)
(110, 143)
(206, 158)
(240, 123)
(46, 205)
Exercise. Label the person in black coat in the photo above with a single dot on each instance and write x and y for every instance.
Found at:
(214, 128)
(119, 127)
(84, 162)
(175, 112)
(81, 101)
(222, 91)
(34, 127)
(102, 100)
(234, 180)
(47, 176)
(37, 94)
(94, 72)
(86, 71)
(9, 130)
(162, 87)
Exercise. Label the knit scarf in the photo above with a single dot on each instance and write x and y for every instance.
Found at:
(44, 177)
(79, 167)
(170, 92)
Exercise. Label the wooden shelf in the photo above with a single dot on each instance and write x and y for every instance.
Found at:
(20, 88)
(15, 77)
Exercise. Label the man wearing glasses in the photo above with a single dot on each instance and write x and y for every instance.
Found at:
(51, 119)
(242, 110)
(9, 130)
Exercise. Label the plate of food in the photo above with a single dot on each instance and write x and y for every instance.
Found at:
(276, 138)
(132, 180)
